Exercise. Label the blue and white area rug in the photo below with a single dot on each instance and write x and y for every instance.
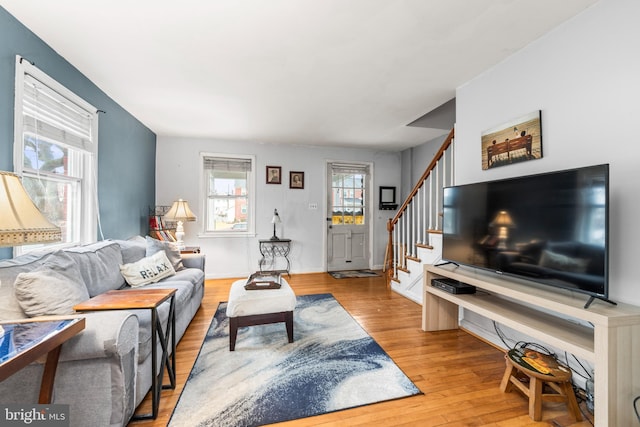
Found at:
(333, 364)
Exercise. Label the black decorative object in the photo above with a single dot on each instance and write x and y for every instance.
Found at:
(387, 198)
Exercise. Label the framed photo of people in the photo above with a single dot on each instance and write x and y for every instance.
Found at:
(296, 180)
(274, 175)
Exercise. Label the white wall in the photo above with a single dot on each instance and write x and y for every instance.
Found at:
(585, 77)
(177, 176)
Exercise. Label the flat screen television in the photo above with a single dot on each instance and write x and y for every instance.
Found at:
(549, 228)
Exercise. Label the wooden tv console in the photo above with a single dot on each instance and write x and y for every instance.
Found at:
(554, 317)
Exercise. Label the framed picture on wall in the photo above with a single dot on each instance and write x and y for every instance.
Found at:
(515, 141)
(296, 179)
(274, 175)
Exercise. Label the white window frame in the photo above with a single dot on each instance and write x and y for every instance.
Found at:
(251, 190)
(88, 227)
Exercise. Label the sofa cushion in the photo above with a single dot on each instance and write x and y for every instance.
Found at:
(193, 275)
(148, 270)
(99, 265)
(51, 289)
(154, 245)
(9, 269)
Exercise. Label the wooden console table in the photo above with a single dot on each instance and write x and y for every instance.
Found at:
(555, 317)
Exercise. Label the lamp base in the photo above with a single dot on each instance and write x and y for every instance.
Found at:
(179, 244)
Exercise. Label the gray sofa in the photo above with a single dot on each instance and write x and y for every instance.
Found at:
(105, 371)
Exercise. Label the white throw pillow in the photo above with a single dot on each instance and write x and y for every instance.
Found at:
(148, 270)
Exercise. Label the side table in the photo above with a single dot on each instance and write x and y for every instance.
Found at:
(275, 248)
(24, 342)
(131, 299)
(190, 250)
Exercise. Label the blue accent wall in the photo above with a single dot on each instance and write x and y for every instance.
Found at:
(126, 148)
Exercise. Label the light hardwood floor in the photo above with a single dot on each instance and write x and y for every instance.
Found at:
(458, 373)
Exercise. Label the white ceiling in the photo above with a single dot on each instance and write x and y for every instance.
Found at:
(317, 72)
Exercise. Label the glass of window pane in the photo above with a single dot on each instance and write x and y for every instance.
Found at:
(55, 199)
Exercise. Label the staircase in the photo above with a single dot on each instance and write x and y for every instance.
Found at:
(415, 233)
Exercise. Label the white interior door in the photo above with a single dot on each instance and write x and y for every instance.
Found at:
(348, 217)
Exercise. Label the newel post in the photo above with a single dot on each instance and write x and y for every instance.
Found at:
(388, 256)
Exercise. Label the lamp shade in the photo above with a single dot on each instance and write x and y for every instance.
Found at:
(21, 222)
(276, 218)
(180, 211)
(503, 219)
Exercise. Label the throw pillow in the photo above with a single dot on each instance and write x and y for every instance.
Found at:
(148, 270)
(52, 289)
(154, 245)
(132, 250)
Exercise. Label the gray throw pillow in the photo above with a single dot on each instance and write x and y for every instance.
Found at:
(154, 245)
(132, 249)
(52, 289)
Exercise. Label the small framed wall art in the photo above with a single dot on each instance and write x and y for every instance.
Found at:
(296, 180)
(274, 175)
(516, 141)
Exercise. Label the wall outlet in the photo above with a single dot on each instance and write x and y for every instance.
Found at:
(313, 206)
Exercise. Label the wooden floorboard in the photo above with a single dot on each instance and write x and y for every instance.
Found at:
(458, 373)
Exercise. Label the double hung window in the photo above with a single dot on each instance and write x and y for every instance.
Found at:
(55, 152)
(228, 194)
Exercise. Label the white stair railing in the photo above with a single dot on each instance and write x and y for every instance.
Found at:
(420, 214)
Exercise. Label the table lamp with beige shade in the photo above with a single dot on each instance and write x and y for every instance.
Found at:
(180, 212)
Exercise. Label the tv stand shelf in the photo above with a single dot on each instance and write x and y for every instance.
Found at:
(605, 335)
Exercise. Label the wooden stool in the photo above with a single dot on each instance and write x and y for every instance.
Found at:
(558, 379)
(259, 307)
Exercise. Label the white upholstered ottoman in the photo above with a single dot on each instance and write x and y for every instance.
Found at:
(259, 307)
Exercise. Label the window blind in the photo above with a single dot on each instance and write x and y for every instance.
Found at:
(349, 168)
(49, 114)
(227, 164)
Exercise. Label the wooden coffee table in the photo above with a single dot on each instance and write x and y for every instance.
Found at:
(26, 341)
(132, 299)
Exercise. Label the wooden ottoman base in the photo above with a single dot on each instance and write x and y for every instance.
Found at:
(259, 319)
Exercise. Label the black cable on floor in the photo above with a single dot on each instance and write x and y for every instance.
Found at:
(582, 366)
(500, 334)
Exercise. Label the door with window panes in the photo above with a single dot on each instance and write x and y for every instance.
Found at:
(348, 217)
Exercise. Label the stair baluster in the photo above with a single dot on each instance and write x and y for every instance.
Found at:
(420, 215)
